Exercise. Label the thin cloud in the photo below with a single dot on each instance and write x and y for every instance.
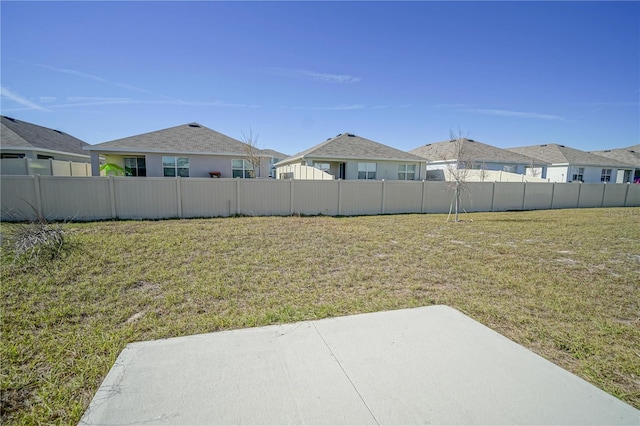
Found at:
(79, 101)
(519, 114)
(94, 78)
(341, 107)
(318, 76)
(6, 93)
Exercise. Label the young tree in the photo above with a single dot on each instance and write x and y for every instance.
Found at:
(252, 151)
(533, 171)
(458, 171)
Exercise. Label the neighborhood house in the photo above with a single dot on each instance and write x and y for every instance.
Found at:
(348, 156)
(190, 150)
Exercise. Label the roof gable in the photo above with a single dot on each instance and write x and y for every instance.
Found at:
(352, 147)
(20, 134)
(474, 151)
(186, 138)
(559, 154)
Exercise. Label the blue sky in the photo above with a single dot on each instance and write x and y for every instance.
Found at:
(296, 73)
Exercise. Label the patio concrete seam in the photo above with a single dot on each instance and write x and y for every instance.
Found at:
(345, 373)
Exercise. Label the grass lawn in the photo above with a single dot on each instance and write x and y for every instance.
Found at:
(563, 283)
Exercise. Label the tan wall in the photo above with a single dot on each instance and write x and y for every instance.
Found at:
(82, 198)
(299, 171)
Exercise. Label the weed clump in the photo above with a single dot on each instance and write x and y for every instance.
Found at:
(36, 239)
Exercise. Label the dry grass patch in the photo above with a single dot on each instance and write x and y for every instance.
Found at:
(563, 283)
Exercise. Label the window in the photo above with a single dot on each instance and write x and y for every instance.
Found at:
(366, 170)
(606, 175)
(45, 157)
(579, 176)
(241, 169)
(510, 169)
(325, 167)
(175, 166)
(406, 171)
(9, 155)
(135, 167)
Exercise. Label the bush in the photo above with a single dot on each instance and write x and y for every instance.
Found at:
(36, 239)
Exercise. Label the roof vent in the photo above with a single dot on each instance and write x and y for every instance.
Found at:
(470, 140)
(428, 144)
(607, 150)
(194, 125)
(328, 139)
(339, 134)
(631, 150)
(561, 146)
(350, 135)
(544, 145)
(58, 131)
(9, 118)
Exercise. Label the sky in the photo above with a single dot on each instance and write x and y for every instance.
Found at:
(297, 73)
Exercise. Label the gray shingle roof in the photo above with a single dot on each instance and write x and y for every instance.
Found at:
(347, 146)
(559, 154)
(20, 134)
(274, 153)
(474, 151)
(629, 155)
(192, 138)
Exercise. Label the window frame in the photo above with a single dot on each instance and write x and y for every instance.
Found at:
(368, 173)
(177, 169)
(246, 170)
(137, 167)
(605, 176)
(579, 176)
(403, 169)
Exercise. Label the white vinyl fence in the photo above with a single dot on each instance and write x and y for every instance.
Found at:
(95, 198)
(50, 167)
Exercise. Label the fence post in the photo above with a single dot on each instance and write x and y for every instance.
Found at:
(382, 203)
(493, 195)
(36, 187)
(112, 197)
(626, 194)
(579, 193)
(339, 197)
(423, 197)
(553, 193)
(179, 196)
(291, 196)
(604, 191)
(237, 195)
(524, 194)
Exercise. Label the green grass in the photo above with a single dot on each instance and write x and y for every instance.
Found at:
(563, 283)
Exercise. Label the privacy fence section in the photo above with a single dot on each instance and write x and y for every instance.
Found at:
(95, 198)
(48, 167)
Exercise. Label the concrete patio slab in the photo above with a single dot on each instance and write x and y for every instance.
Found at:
(430, 365)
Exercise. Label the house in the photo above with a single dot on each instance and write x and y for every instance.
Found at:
(629, 155)
(26, 140)
(189, 150)
(274, 157)
(348, 156)
(567, 164)
(444, 155)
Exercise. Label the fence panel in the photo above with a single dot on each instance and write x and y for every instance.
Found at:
(437, 198)
(361, 197)
(565, 195)
(538, 196)
(19, 200)
(78, 169)
(591, 194)
(208, 197)
(614, 195)
(312, 197)
(146, 198)
(402, 197)
(75, 198)
(39, 167)
(478, 197)
(264, 197)
(508, 196)
(61, 168)
(14, 166)
(633, 196)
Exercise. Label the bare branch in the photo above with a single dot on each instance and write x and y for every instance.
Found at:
(252, 151)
